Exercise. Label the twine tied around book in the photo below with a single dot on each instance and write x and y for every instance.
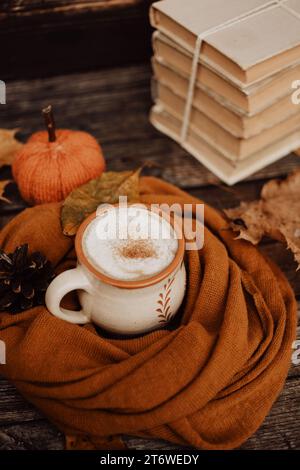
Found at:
(197, 50)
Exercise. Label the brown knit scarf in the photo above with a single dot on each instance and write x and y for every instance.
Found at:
(208, 383)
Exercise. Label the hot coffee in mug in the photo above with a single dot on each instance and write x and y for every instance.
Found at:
(130, 274)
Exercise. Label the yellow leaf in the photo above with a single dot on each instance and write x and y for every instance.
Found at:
(106, 189)
(8, 146)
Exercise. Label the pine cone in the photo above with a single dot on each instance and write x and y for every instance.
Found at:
(24, 279)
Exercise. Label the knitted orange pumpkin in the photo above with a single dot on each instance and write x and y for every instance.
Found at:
(51, 164)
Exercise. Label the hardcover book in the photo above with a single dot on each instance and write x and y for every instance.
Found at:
(223, 75)
(248, 41)
(247, 100)
(228, 171)
(172, 93)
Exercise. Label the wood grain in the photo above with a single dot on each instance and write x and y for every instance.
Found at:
(37, 435)
(38, 6)
(114, 105)
(44, 38)
(32, 5)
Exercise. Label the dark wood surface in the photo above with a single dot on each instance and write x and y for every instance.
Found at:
(114, 105)
(41, 38)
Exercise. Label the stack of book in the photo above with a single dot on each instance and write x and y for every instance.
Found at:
(225, 74)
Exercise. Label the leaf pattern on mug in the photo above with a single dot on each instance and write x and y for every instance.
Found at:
(164, 309)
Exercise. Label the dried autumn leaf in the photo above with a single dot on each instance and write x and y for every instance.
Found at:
(106, 189)
(8, 146)
(3, 185)
(276, 214)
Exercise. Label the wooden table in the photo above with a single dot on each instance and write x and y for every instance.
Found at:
(113, 105)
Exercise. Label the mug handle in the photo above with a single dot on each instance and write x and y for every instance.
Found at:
(60, 286)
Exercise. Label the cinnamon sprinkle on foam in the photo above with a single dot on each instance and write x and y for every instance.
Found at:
(134, 249)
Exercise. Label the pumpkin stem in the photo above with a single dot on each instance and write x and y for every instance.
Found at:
(49, 121)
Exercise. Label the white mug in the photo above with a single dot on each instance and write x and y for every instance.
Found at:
(123, 307)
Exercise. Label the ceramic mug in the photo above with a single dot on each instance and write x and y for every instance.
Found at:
(119, 306)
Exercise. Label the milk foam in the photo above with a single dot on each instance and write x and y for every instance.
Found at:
(129, 243)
